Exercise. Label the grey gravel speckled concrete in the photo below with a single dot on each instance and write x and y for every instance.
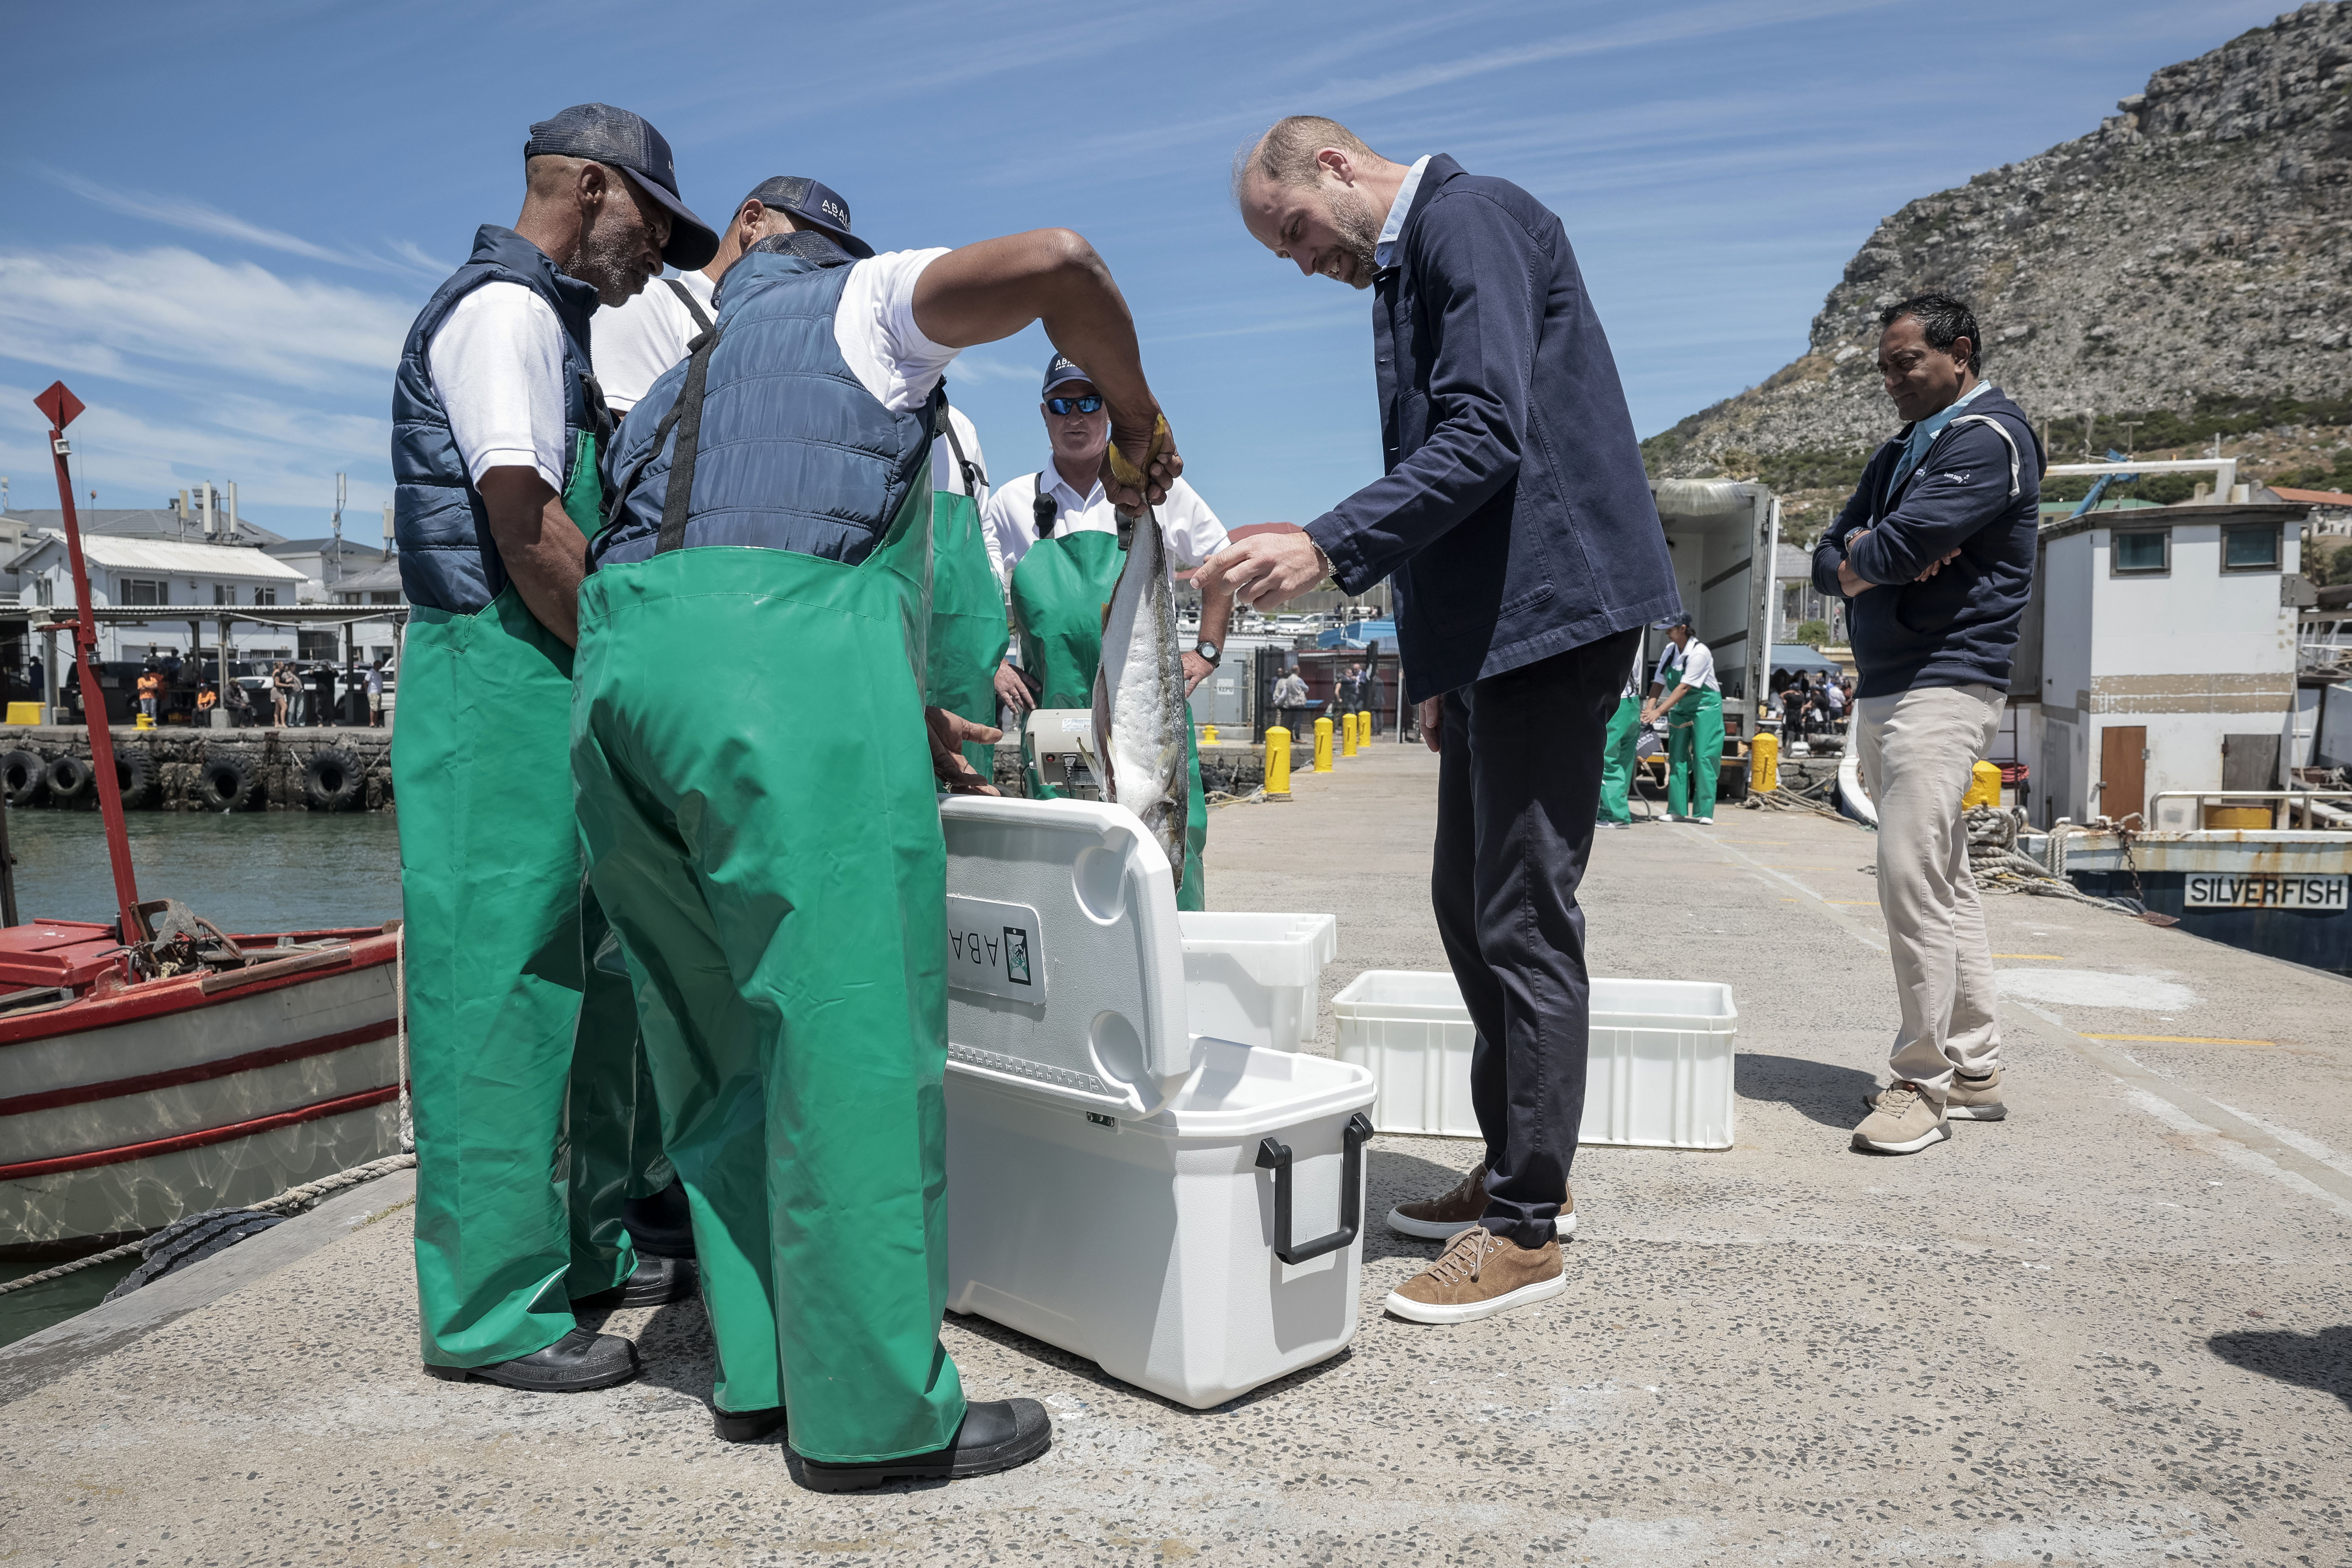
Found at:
(2103, 1332)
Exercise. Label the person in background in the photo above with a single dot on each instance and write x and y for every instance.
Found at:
(1622, 757)
(1290, 700)
(151, 691)
(1792, 707)
(1961, 481)
(375, 694)
(323, 681)
(1833, 705)
(1693, 708)
(205, 700)
(282, 685)
(633, 341)
(1508, 445)
(534, 1121)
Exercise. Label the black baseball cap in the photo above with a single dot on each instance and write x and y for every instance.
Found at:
(820, 207)
(615, 137)
(1062, 368)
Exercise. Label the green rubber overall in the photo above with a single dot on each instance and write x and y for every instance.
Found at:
(1618, 759)
(1695, 754)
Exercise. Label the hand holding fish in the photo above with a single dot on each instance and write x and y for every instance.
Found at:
(1265, 569)
(1142, 462)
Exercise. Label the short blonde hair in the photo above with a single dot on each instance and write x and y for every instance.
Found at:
(1285, 154)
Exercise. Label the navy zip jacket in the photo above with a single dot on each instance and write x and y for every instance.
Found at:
(1978, 488)
(1515, 520)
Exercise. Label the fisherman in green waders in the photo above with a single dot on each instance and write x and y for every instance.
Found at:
(533, 1123)
(1694, 725)
(968, 634)
(1621, 751)
(770, 850)
(1054, 538)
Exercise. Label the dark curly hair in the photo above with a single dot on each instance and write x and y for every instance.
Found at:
(1943, 321)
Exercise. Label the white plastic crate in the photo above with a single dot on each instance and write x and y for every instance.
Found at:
(1658, 1076)
(1252, 978)
(1149, 1243)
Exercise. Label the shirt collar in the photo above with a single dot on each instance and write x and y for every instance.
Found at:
(1055, 482)
(1384, 250)
(1927, 430)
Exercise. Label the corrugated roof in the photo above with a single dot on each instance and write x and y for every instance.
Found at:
(173, 559)
(2312, 497)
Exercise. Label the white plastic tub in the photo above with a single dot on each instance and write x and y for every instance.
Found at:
(1659, 1073)
(1149, 1245)
(1252, 978)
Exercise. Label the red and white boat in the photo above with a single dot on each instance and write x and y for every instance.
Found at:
(154, 1067)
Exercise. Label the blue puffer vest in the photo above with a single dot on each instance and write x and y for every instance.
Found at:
(794, 454)
(448, 559)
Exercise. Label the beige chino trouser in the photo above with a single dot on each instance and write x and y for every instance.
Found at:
(1916, 749)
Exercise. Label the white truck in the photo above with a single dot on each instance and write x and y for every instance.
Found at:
(1725, 536)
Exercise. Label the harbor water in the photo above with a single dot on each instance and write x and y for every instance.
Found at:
(245, 871)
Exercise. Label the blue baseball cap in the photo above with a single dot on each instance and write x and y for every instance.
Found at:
(620, 139)
(820, 207)
(1061, 369)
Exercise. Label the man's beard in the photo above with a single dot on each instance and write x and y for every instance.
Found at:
(1359, 229)
(610, 259)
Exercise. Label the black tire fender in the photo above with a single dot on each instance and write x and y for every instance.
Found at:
(134, 773)
(22, 775)
(69, 778)
(224, 782)
(333, 780)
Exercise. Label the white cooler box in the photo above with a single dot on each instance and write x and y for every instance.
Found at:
(1252, 978)
(1184, 1210)
(1659, 1074)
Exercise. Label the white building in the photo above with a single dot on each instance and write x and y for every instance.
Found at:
(2158, 654)
(185, 583)
(344, 572)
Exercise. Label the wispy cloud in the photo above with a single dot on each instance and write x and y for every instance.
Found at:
(179, 212)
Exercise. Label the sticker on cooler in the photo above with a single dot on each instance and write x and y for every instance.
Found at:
(996, 949)
(2264, 890)
(1077, 723)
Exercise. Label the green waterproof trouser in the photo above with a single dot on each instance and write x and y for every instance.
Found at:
(1617, 761)
(968, 635)
(1058, 594)
(772, 857)
(531, 1123)
(1695, 754)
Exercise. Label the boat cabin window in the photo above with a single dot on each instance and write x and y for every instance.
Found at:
(2249, 547)
(2142, 553)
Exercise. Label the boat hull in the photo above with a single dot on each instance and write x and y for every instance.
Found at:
(119, 1113)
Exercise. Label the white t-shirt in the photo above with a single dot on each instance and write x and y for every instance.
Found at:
(1191, 528)
(947, 474)
(874, 327)
(633, 341)
(1698, 667)
(497, 365)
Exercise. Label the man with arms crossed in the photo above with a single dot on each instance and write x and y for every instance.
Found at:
(1935, 557)
(1515, 525)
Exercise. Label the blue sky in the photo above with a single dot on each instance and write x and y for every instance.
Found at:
(220, 218)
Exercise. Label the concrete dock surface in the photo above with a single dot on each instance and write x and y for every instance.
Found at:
(2113, 1330)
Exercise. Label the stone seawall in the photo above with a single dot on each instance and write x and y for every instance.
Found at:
(178, 768)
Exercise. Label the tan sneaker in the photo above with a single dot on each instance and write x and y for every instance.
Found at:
(1479, 1274)
(1455, 1211)
(1976, 1099)
(1904, 1121)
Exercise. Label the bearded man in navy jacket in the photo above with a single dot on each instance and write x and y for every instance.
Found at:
(1516, 527)
(1935, 557)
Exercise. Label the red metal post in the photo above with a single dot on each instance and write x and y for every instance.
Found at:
(62, 408)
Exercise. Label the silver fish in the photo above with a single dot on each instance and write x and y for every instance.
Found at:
(1142, 722)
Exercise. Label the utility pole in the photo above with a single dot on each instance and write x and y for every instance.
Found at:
(339, 529)
(2129, 426)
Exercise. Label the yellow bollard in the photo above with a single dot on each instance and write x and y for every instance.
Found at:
(1984, 787)
(142, 721)
(1347, 734)
(1208, 734)
(1764, 762)
(1323, 745)
(1277, 763)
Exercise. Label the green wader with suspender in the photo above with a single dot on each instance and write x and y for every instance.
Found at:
(967, 638)
(771, 852)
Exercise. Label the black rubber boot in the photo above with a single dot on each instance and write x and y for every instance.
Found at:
(661, 1225)
(576, 1362)
(997, 1436)
(747, 1425)
(653, 1283)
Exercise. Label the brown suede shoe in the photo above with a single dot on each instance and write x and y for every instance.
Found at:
(1434, 1219)
(1479, 1274)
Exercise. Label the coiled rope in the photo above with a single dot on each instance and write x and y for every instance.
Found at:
(309, 1193)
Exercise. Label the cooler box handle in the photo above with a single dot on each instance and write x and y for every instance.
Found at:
(1275, 1157)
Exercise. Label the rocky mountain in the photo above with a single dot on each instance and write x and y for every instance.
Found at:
(2181, 272)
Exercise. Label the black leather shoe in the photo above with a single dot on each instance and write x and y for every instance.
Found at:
(661, 1225)
(747, 1425)
(576, 1362)
(654, 1282)
(997, 1436)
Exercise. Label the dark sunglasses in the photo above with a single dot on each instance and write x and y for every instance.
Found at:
(1073, 405)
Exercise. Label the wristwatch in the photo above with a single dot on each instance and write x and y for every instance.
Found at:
(1209, 651)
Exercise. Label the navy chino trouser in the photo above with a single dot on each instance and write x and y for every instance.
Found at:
(1519, 786)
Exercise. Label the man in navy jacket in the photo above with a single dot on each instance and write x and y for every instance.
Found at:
(1935, 557)
(1516, 527)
